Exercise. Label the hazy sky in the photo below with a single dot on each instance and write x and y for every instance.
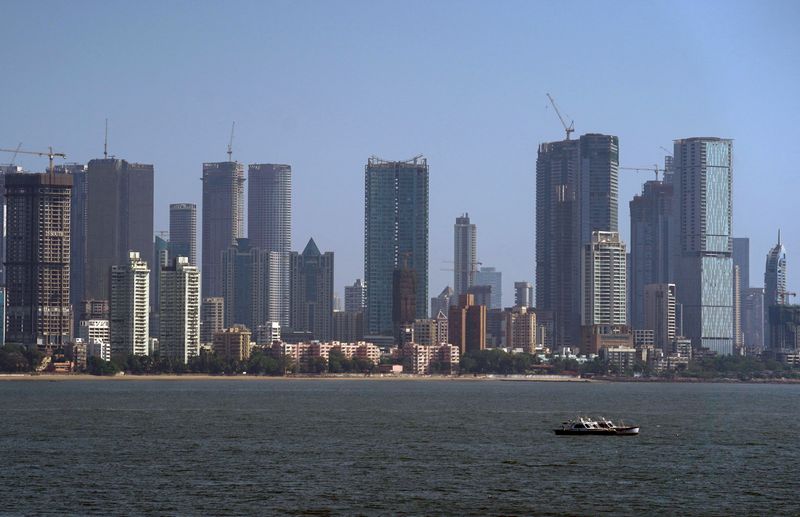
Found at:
(324, 85)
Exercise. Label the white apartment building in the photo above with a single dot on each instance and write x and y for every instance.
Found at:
(179, 303)
(130, 301)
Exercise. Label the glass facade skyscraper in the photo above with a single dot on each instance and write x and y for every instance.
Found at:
(703, 168)
(395, 234)
(774, 283)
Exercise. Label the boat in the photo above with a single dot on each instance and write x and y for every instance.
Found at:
(601, 426)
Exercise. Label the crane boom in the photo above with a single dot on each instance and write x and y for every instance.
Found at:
(569, 129)
(654, 168)
(49, 153)
(230, 142)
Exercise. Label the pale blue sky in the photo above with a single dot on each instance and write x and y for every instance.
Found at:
(324, 85)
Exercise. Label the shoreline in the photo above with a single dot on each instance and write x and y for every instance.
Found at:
(28, 377)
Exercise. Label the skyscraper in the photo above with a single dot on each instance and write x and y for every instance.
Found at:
(404, 293)
(212, 318)
(354, 296)
(269, 222)
(523, 294)
(130, 300)
(179, 321)
(183, 231)
(492, 277)
(312, 292)
(395, 226)
(465, 254)
(576, 194)
(774, 283)
(604, 280)
(78, 227)
(247, 280)
(659, 314)
(442, 302)
(753, 320)
(651, 230)
(119, 219)
(38, 258)
(223, 219)
(161, 257)
(704, 271)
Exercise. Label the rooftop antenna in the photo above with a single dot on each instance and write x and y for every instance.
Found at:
(105, 142)
(230, 143)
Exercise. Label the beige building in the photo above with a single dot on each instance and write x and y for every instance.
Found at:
(302, 353)
(521, 329)
(422, 358)
(233, 343)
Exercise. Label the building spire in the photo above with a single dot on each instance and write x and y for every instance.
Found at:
(779, 236)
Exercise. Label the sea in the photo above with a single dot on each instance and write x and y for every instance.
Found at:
(375, 447)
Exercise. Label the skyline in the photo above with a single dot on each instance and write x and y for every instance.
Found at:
(474, 107)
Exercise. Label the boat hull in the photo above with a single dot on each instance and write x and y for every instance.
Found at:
(620, 431)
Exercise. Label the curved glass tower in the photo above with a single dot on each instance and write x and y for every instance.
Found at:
(774, 283)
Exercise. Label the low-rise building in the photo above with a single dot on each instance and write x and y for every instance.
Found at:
(425, 360)
(621, 357)
(233, 344)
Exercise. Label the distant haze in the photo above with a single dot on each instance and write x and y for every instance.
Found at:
(324, 85)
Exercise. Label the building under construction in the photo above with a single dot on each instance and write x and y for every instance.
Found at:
(38, 258)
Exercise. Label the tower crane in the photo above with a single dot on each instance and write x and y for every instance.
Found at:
(49, 153)
(230, 142)
(569, 129)
(14, 156)
(655, 169)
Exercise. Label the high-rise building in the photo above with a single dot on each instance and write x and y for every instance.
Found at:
(404, 297)
(130, 300)
(753, 320)
(183, 231)
(4, 169)
(523, 294)
(482, 295)
(521, 328)
(491, 277)
(604, 280)
(348, 327)
(312, 292)
(741, 261)
(354, 296)
(651, 230)
(465, 254)
(212, 318)
(269, 223)
(247, 285)
(738, 337)
(119, 218)
(223, 219)
(659, 314)
(77, 238)
(179, 323)
(704, 268)
(162, 257)
(467, 325)
(38, 258)
(442, 302)
(395, 228)
(576, 194)
(784, 329)
(774, 284)
(2, 315)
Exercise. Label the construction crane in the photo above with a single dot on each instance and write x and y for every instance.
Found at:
(669, 153)
(14, 157)
(50, 154)
(230, 143)
(569, 129)
(655, 169)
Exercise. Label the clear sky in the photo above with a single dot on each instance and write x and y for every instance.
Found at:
(323, 85)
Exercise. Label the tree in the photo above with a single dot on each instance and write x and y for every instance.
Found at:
(98, 366)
